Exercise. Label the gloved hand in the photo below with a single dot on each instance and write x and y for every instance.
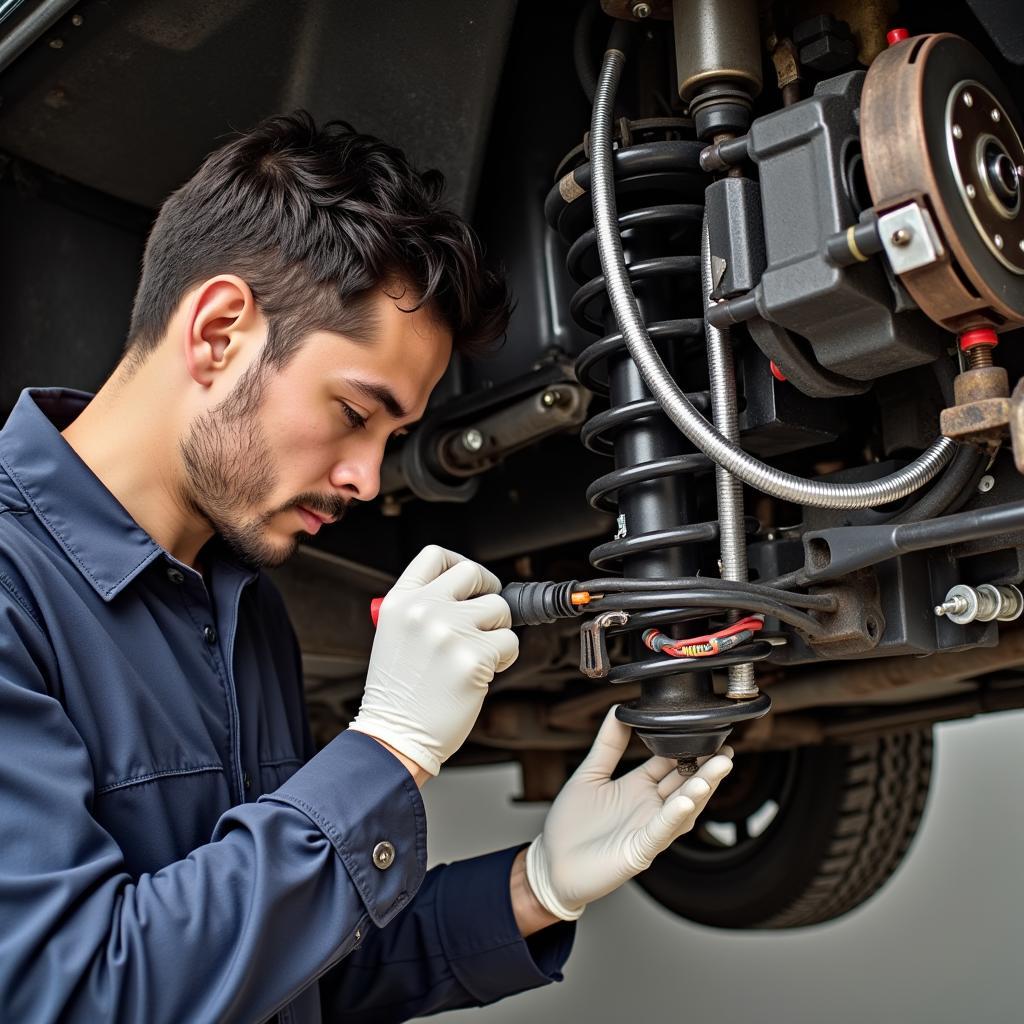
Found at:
(599, 833)
(442, 633)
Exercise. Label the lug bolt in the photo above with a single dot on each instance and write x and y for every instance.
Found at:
(472, 440)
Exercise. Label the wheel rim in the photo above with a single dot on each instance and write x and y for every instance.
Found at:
(744, 814)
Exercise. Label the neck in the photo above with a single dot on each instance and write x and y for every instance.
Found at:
(128, 436)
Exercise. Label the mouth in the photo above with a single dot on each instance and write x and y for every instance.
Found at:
(312, 521)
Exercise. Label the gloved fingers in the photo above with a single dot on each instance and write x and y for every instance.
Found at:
(673, 780)
(699, 788)
(427, 566)
(506, 643)
(491, 611)
(670, 783)
(673, 818)
(679, 812)
(716, 768)
(608, 747)
(654, 769)
(465, 579)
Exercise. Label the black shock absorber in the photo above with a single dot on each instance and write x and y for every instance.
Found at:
(658, 477)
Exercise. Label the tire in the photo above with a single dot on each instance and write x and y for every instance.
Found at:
(844, 818)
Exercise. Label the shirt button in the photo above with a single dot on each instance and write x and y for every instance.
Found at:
(209, 635)
(175, 575)
(247, 781)
(383, 855)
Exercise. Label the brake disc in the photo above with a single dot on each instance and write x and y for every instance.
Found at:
(940, 129)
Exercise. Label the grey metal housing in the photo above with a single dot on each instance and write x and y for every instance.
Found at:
(805, 154)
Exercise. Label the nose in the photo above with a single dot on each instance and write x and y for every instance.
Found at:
(357, 475)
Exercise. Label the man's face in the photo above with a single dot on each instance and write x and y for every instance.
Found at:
(277, 460)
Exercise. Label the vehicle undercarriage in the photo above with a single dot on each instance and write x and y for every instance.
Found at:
(756, 405)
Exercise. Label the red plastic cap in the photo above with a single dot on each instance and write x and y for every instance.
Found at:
(375, 604)
(979, 336)
(896, 35)
(776, 372)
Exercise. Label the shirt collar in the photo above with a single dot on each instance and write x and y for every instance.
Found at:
(90, 525)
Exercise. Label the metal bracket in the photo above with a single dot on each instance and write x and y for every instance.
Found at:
(910, 238)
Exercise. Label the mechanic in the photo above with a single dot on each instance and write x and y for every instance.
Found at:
(172, 848)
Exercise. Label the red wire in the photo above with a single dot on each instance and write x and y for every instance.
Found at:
(751, 623)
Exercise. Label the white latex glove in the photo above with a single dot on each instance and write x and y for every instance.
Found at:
(599, 833)
(442, 633)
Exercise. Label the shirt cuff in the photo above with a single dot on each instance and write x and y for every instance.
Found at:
(361, 796)
(479, 935)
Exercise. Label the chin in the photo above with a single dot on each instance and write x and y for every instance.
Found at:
(261, 549)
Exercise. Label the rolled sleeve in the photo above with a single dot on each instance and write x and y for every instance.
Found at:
(381, 781)
(480, 937)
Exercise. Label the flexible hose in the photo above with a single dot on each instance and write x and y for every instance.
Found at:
(670, 397)
(625, 585)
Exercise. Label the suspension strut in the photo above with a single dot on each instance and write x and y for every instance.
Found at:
(655, 486)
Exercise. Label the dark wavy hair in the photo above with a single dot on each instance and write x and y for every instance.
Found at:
(313, 219)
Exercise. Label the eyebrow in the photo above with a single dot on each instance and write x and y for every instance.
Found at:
(381, 393)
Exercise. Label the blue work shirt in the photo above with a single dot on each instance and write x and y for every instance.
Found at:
(171, 847)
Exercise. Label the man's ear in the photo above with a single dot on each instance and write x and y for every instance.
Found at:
(218, 321)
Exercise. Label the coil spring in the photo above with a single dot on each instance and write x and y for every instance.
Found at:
(660, 188)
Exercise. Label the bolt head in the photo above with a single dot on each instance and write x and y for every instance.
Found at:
(996, 116)
(971, 191)
(549, 398)
(968, 100)
(986, 483)
(958, 132)
(641, 10)
(76, 20)
(998, 239)
(902, 237)
(472, 440)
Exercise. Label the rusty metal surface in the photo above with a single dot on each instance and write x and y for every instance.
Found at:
(847, 684)
(857, 624)
(981, 415)
(1017, 425)
(902, 106)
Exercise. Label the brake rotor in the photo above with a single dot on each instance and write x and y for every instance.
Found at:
(939, 128)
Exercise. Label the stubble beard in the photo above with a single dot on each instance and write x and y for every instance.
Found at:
(229, 469)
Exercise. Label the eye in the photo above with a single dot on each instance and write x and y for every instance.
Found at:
(354, 419)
